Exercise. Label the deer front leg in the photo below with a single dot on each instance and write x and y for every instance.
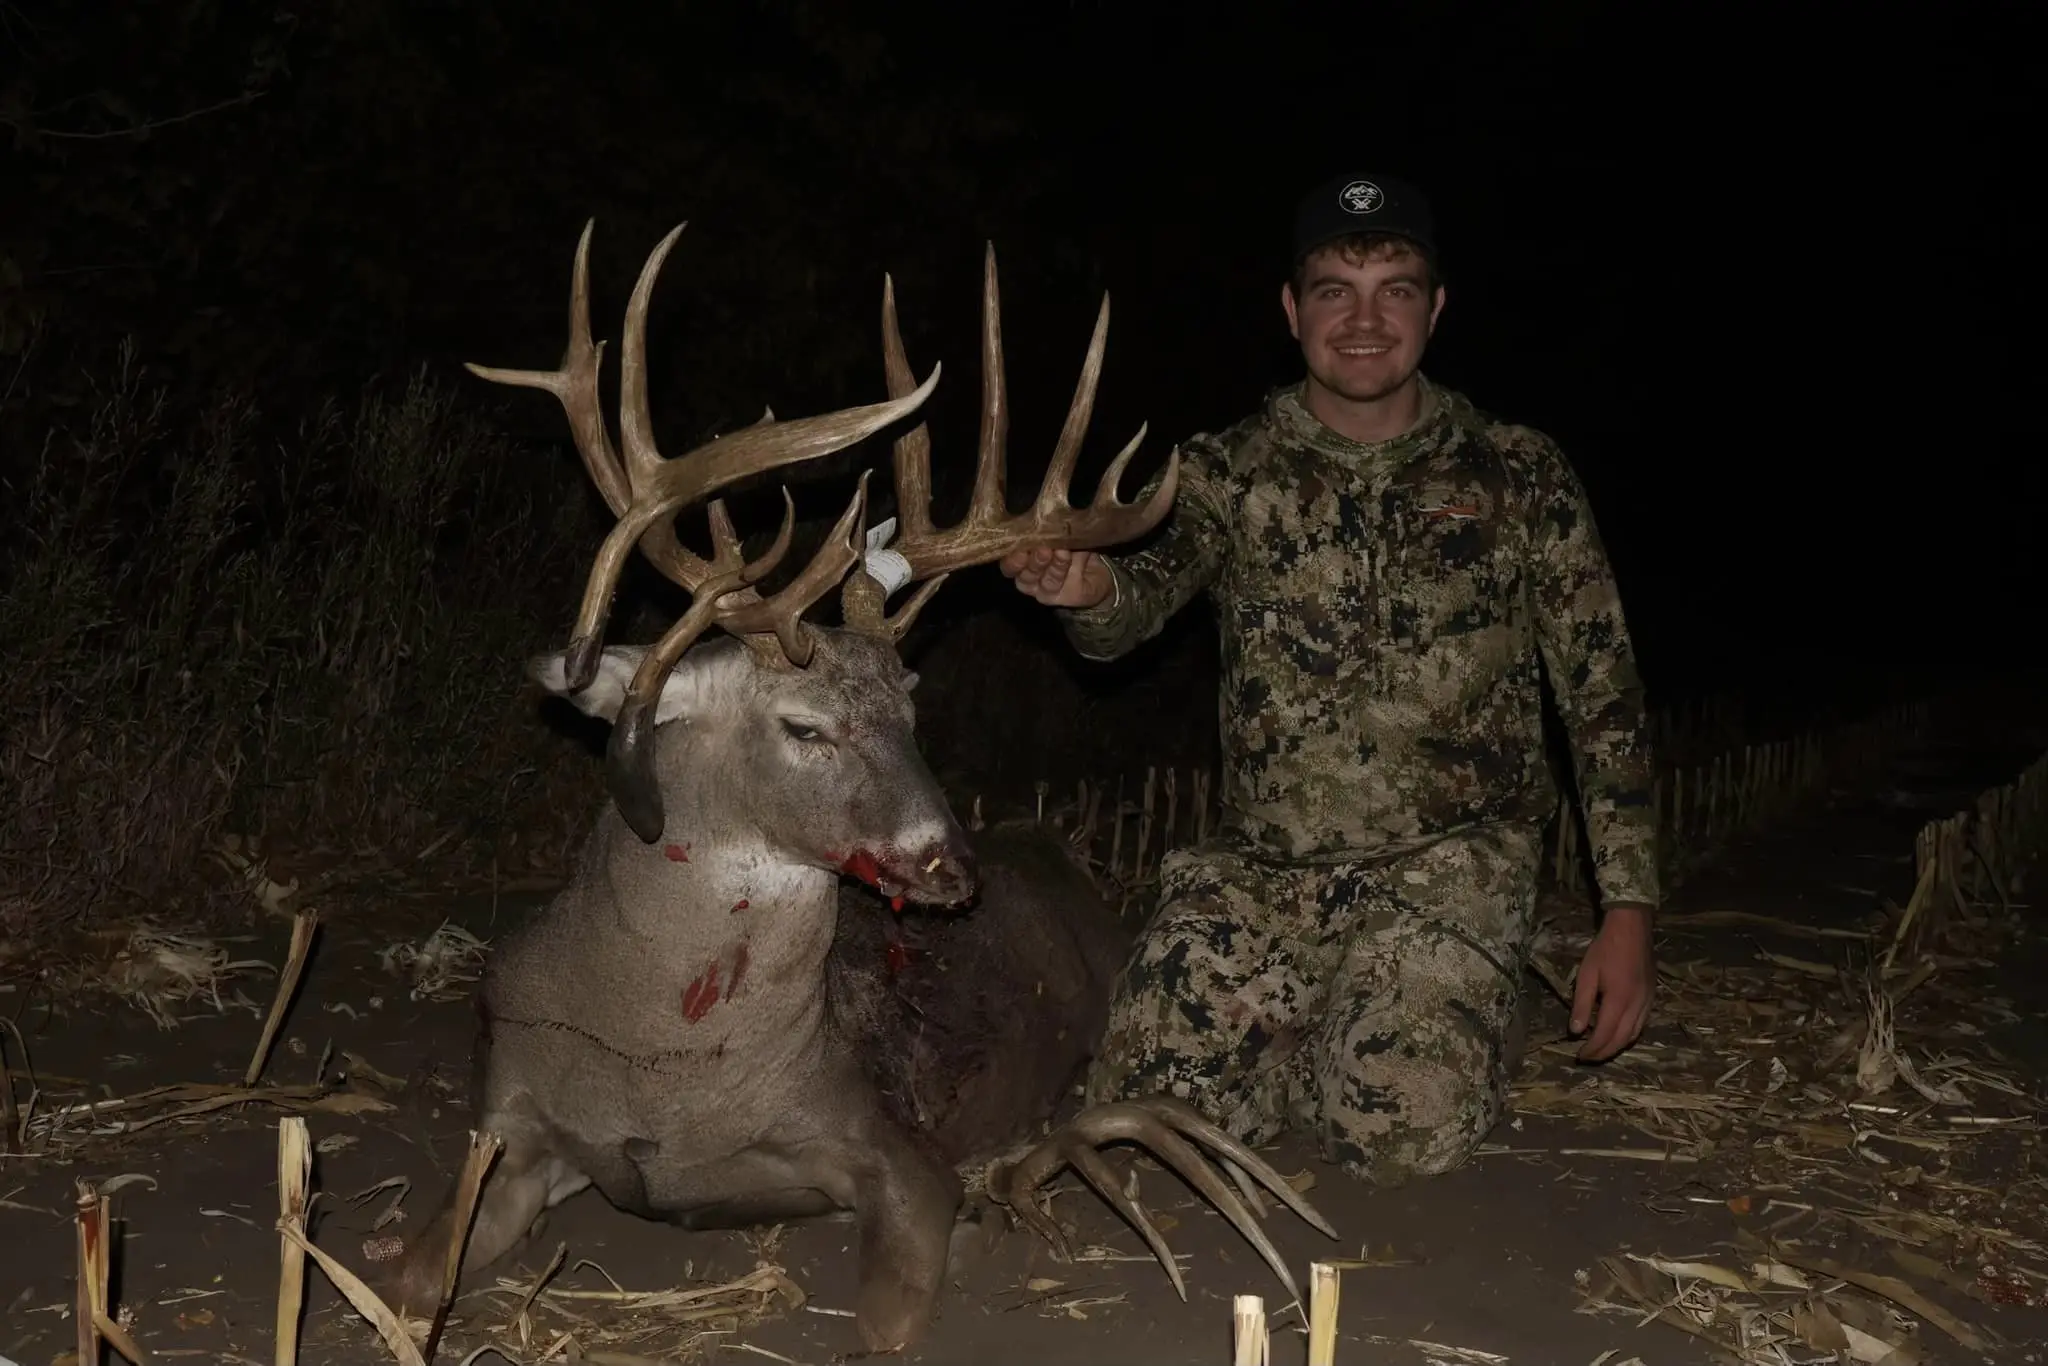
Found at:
(527, 1179)
(902, 1203)
(905, 1205)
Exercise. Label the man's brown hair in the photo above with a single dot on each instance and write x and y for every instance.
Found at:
(1359, 247)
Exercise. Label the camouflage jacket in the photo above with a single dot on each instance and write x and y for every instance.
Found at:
(1384, 609)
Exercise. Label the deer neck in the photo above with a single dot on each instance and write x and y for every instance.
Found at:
(710, 878)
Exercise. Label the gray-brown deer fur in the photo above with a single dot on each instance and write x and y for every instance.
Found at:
(712, 1023)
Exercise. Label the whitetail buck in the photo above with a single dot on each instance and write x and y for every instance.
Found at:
(688, 1026)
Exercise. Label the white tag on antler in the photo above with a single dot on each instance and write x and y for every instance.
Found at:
(884, 565)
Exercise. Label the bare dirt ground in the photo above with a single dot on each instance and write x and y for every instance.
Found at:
(1607, 1197)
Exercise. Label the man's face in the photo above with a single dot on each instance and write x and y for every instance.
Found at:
(1363, 324)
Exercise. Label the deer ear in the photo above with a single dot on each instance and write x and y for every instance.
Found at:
(607, 692)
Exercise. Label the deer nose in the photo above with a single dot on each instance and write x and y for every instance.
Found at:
(945, 870)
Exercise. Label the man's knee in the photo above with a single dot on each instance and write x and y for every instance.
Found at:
(1416, 1100)
(1415, 1062)
(1196, 999)
(1162, 1032)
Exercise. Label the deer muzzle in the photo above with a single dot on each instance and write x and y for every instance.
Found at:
(938, 872)
(944, 873)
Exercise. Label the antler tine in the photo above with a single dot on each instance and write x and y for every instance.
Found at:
(1113, 478)
(636, 419)
(727, 554)
(1066, 453)
(574, 384)
(991, 477)
(774, 626)
(913, 449)
(862, 599)
(862, 604)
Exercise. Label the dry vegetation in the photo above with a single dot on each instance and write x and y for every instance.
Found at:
(1823, 1104)
(305, 633)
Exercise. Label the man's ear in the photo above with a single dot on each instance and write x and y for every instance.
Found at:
(607, 692)
(1288, 305)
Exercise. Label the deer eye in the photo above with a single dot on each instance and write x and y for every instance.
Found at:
(799, 731)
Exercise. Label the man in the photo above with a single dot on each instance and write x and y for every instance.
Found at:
(1395, 572)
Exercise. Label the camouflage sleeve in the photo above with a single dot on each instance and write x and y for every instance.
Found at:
(1585, 642)
(1153, 584)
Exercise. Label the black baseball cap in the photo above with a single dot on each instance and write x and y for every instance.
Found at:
(1352, 203)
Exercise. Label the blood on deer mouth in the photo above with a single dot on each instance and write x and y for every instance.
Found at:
(863, 865)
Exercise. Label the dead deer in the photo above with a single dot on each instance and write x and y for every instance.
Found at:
(677, 1028)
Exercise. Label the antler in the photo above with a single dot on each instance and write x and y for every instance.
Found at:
(646, 492)
(989, 531)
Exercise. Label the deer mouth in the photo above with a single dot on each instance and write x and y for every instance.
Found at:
(942, 876)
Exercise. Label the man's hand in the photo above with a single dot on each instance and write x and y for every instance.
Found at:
(1059, 578)
(1616, 982)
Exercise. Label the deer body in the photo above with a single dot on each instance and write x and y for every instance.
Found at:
(691, 1026)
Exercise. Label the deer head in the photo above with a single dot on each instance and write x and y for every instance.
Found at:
(646, 492)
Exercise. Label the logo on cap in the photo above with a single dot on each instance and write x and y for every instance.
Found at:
(1360, 196)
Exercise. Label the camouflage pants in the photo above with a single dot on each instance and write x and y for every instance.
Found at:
(1368, 1004)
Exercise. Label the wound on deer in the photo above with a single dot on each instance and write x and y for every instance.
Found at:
(863, 865)
(867, 868)
(739, 905)
(710, 988)
(677, 853)
(701, 995)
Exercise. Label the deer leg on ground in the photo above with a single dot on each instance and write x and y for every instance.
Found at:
(821, 1162)
(906, 1206)
(1157, 1123)
(527, 1179)
(974, 1236)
